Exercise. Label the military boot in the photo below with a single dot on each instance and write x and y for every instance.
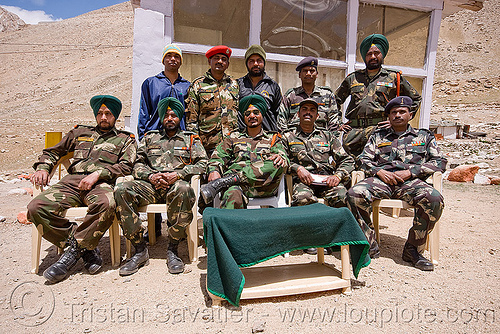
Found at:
(411, 254)
(174, 262)
(140, 258)
(92, 260)
(212, 188)
(60, 270)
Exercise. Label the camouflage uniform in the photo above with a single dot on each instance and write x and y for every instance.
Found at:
(249, 158)
(369, 96)
(212, 109)
(415, 150)
(328, 115)
(184, 154)
(112, 154)
(319, 152)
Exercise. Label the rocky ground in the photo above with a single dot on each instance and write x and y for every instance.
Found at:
(48, 71)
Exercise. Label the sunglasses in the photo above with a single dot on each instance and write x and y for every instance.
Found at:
(248, 112)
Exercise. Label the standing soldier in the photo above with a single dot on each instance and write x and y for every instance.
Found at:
(370, 91)
(328, 115)
(101, 154)
(166, 161)
(167, 83)
(212, 103)
(252, 161)
(258, 82)
(397, 160)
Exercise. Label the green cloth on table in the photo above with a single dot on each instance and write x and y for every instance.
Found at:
(242, 238)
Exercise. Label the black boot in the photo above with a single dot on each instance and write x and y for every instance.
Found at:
(209, 190)
(411, 254)
(92, 260)
(59, 270)
(174, 262)
(140, 258)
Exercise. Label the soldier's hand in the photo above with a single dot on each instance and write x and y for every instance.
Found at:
(345, 127)
(155, 180)
(332, 181)
(304, 176)
(388, 177)
(171, 177)
(88, 181)
(384, 124)
(214, 176)
(40, 178)
(403, 174)
(278, 161)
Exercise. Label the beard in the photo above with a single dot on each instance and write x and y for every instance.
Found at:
(105, 126)
(373, 65)
(256, 72)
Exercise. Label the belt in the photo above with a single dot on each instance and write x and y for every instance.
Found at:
(364, 122)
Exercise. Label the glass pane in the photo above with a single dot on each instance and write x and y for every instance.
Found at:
(406, 30)
(285, 74)
(305, 27)
(417, 83)
(212, 22)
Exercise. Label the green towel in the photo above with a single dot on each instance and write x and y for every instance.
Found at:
(242, 238)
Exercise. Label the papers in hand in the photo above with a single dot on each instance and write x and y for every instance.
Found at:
(319, 180)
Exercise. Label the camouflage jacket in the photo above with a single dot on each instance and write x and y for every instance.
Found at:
(415, 150)
(239, 150)
(319, 152)
(183, 153)
(212, 108)
(328, 115)
(111, 153)
(370, 96)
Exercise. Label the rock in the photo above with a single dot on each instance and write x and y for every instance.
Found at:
(495, 180)
(17, 191)
(14, 181)
(10, 21)
(483, 165)
(2, 219)
(463, 173)
(21, 218)
(258, 326)
(481, 179)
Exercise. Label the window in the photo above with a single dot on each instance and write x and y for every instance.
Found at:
(406, 30)
(212, 22)
(305, 27)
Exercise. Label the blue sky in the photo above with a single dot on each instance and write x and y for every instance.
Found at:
(34, 11)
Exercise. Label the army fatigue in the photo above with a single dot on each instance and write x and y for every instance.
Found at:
(182, 153)
(414, 150)
(112, 154)
(249, 158)
(328, 115)
(319, 152)
(212, 109)
(369, 96)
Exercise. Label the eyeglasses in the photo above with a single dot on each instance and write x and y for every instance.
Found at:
(256, 112)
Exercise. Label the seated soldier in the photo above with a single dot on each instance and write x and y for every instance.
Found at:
(166, 161)
(318, 162)
(397, 161)
(101, 154)
(252, 160)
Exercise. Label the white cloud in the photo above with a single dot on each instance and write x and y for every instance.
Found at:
(30, 16)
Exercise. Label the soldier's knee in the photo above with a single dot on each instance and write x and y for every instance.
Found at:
(184, 188)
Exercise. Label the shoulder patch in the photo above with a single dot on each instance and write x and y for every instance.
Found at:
(83, 126)
(152, 131)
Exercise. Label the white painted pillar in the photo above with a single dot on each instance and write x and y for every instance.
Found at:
(430, 65)
(149, 40)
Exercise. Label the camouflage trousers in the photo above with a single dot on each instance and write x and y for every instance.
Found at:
(355, 140)
(304, 195)
(427, 201)
(47, 210)
(130, 195)
(258, 179)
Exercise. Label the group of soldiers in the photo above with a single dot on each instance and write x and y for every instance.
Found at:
(243, 135)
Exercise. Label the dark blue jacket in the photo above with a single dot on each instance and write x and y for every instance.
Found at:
(153, 90)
